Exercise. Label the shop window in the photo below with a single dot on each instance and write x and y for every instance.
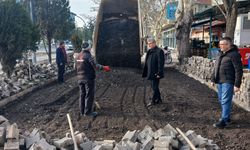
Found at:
(246, 23)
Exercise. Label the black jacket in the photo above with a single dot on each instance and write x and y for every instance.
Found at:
(61, 56)
(228, 68)
(85, 66)
(154, 64)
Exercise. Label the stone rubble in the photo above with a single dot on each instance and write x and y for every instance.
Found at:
(201, 69)
(167, 138)
(20, 80)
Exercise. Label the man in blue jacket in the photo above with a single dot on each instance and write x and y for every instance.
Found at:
(61, 60)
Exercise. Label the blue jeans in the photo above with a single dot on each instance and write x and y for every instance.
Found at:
(225, 95)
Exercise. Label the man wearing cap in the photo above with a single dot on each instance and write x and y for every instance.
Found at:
(86, 74)
(154, 69)
(61, 60)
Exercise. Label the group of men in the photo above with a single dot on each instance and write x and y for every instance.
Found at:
(227, 75)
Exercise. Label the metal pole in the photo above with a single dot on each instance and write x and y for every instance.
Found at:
(32, 20)
(203, 33)
(210, 39)
(31, 12)
(79, 18)
(140, 27)
(85, 24)
(29, 69)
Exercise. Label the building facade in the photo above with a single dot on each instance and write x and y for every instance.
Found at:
(169, 30)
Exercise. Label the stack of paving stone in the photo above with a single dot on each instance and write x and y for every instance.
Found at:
(162, 139)
(9, 136)
(242, 98)
(201, 69)
(20, 79)
(166, 138)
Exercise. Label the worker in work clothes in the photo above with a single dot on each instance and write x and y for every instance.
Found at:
(61, 60)
(227, 75)
(154, 69)
(86, 74)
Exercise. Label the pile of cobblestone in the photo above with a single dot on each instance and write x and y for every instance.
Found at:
(167, 138)
(201, 69)
(25, 76)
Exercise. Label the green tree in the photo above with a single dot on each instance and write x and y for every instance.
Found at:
(88, 29)
(17, 34)
(77, 39)
(54, 20)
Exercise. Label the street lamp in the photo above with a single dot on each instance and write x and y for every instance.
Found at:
(85, 24)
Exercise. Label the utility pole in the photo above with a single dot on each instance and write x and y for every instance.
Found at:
(32, 20)
(140, 27)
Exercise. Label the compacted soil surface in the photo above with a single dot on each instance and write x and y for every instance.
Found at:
(123, 95)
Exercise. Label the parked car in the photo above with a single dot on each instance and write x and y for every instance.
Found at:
(69, 46)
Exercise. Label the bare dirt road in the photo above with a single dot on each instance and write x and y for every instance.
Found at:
(123, 95)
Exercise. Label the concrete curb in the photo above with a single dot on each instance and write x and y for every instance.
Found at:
(25, 92)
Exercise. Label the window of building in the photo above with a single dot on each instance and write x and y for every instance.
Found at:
(169, 39)
(246, 23)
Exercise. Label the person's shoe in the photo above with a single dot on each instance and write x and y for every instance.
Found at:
(159, 101)
(229, 121)
(150, 104)
(221, 124)
(92, 114)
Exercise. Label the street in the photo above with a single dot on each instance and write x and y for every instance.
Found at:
(123, 96)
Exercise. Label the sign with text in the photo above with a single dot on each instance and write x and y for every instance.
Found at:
(170, 10)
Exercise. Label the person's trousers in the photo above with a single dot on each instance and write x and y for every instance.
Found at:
(61, 71)
(156, 91)
(86, 98)
(225, 95)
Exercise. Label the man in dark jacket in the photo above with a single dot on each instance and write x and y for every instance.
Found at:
(61, 60)
(86, 74)
(154, 69)
(227, 74)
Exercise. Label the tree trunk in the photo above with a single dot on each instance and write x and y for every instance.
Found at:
(183, 28)
(49, 50)
(231, 12)
(231, 18)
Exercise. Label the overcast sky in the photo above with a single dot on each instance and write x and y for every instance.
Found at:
(82, 7)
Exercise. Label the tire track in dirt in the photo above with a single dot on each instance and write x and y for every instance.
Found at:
(187, 104)
(136, 114)
(145, 97)
(110, 108)
(151, 119)
(122, 105)
(100, 95)
(143, 114)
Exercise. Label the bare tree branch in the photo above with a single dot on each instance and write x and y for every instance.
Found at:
(218, 5)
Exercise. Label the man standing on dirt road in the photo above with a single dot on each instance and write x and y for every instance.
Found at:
(154, 69)
(86, 74)
(227, 74)
(61, 60)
